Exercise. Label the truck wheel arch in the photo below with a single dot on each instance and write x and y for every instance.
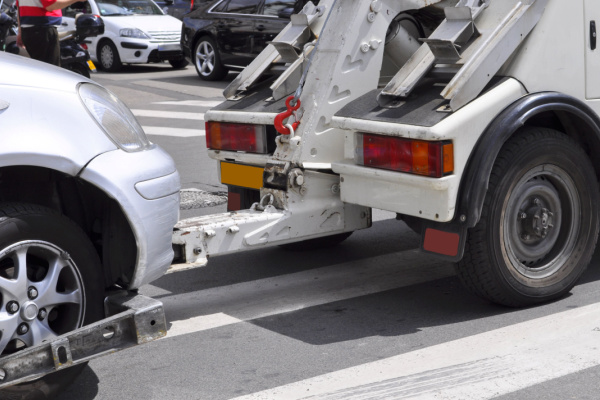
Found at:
(550, 109)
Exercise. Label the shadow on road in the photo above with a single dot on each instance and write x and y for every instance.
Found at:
(85, 387)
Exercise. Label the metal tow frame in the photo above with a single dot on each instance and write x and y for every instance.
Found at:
(135, 320)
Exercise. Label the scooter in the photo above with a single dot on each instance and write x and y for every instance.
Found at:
(74, 55)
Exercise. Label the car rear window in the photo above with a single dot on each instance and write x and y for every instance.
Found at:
(239, 7)
(273, 7)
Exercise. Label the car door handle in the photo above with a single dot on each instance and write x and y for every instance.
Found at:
(593, 35)
(65, 24)
(260, 28)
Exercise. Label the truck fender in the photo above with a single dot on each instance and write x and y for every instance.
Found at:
(577, 119)
(574, 117)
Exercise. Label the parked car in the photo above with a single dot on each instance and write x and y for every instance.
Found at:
(176, 8)
(223, 35)
(136, 32)
(81, 187)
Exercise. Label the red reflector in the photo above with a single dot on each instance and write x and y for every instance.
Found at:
(236, 137)
(434, 159)
(83, 45)
(441, 242)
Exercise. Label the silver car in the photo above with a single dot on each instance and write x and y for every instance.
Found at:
(87, 205)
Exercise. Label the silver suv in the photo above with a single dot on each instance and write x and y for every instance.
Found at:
(87, 205)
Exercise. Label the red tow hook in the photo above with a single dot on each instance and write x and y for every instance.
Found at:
(285, 129)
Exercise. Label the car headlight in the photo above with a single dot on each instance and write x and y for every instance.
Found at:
(134, 33)
(114, 117)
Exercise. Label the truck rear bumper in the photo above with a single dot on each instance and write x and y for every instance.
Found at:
(133, 320)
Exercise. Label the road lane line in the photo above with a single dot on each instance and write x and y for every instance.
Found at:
(272, 296)
(194, 103)
(168, 114)
(202, 323)
(177, 132)
(482, 366)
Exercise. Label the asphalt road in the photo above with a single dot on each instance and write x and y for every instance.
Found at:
(369, 319)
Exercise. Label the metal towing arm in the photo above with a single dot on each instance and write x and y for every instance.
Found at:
(132, 320)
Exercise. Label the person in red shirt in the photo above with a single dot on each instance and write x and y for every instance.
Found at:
(38, 20)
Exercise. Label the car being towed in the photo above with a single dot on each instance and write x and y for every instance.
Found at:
(136, 32)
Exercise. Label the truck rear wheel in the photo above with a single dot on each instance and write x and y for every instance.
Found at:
(50, 284)
(539, 223)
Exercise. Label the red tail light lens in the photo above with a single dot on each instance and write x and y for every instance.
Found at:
(236, 137)
(434, 159)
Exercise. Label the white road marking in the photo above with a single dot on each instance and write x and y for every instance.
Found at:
(168, 114)
(202, 323)
(478, 367)
(195, 103)
(177, 132)
(272, 296)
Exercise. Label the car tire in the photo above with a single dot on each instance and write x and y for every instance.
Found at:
(539, 222)
(178, 64)
(49, 253)
(108, 56)
(324, 242)
(207, 60)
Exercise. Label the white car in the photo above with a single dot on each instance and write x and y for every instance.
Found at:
(87, 205)
(136, 32)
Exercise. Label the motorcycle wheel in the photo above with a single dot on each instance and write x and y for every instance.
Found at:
(81, 69)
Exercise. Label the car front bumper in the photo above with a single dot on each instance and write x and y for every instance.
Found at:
(148, 193)
(142, 51)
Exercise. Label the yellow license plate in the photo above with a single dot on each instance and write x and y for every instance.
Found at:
(91, 65)
(241, 175)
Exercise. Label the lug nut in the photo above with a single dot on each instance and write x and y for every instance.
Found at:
(23, 329)
(12, 307)
(32, 293)
(42, 314)
(523, 215)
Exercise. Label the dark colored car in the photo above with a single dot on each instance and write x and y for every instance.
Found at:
(223, 35)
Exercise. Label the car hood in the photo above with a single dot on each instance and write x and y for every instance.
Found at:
(147, 23)
(21, 71)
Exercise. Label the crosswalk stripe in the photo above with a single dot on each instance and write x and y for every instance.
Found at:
(272, 296)
(482, 366)
(168, 114)
(177, 132)
(195, 103)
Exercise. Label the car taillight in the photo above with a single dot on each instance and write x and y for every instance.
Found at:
(192, 6)
(433, 159)
(236, 137)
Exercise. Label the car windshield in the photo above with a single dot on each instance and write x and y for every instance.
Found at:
(128, 7)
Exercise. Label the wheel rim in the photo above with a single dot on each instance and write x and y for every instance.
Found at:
(205, 58)
(41, 295)
(106, 56)
(541, 223)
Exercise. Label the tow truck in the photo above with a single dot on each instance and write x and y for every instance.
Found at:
(475, 121)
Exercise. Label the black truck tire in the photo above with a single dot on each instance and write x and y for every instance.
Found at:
(46, 251)
(539, 222)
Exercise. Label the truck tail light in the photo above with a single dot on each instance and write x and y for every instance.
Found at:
(236, 137)
(433, 159)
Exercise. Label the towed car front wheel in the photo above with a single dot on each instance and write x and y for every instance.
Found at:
(50, 284)
(208, 61)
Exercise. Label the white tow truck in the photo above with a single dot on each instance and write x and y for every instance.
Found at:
(476, 121)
